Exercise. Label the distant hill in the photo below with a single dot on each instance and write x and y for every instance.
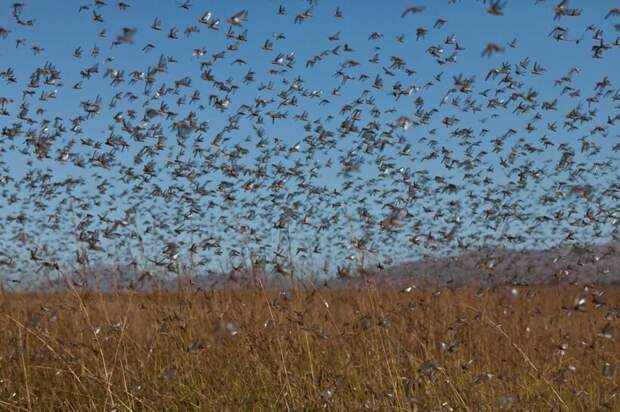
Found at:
(482, 268)
(491, 267)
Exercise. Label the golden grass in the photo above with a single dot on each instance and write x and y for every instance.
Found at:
(350, 350)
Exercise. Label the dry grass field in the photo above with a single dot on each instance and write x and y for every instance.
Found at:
(538, 349)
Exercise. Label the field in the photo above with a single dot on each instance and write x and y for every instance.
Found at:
(537, 348)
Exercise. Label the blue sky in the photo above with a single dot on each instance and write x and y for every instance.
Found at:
(60, 29)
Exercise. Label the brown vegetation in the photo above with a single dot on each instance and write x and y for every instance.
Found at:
(539, 348)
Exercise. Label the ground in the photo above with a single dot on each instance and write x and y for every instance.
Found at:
(538, 348)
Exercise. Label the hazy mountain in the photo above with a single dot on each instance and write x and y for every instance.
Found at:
(489, 267)
(486, 267)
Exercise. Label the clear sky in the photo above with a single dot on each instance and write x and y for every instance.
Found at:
(523, 32)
